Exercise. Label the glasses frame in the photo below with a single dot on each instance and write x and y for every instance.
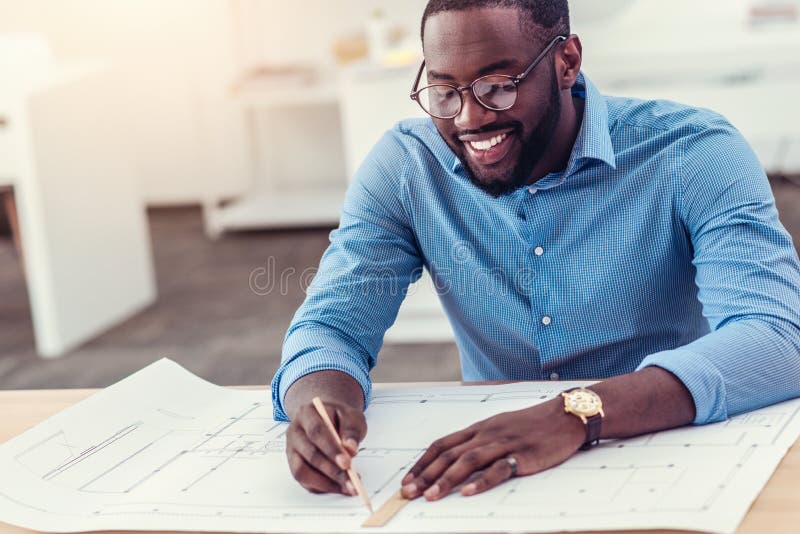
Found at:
(516, 80)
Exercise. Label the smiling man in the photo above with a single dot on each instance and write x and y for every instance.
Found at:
(573, 236)
(501, 155)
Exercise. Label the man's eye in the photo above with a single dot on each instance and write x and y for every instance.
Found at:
(444, 94)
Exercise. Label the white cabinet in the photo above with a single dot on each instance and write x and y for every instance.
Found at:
(297, 171)
(373, 99)
(306, 144)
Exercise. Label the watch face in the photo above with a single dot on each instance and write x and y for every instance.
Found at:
(583, 402)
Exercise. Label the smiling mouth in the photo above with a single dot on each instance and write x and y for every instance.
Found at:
(488, 150)
(488, 143)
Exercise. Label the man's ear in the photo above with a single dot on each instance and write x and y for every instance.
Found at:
(568, 62)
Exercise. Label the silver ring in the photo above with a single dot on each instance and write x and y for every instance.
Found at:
(512, 463)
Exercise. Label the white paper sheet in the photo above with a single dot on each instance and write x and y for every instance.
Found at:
(165, 450)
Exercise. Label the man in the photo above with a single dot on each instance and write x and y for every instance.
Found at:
(573, 236)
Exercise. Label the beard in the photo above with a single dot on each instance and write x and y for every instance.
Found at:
(533, 147)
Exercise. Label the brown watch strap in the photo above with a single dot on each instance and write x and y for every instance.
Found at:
(593, 425)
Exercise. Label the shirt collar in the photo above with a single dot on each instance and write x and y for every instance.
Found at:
(593, 140)
(594, 137)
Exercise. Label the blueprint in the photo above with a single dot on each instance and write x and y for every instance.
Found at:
(165, 450)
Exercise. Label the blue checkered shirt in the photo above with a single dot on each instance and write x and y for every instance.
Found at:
(659, 244)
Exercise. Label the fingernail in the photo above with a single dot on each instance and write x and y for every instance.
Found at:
(469, 489)
(432, 492)
(406, 479)
(410, 490)
(351, 489)
(351, 444)
(343, 461)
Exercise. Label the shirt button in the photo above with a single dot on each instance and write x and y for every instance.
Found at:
(538, 251)
(546, 320)
(532, 190)
(554, 376)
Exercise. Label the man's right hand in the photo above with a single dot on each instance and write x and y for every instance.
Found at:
(316, 460)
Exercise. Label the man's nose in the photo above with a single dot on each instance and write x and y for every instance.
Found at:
(473, 115)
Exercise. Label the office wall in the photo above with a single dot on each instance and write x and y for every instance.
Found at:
(276, 31)
(181, 57)
(177, 57)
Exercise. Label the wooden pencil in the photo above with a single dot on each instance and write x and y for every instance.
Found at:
(354, 477)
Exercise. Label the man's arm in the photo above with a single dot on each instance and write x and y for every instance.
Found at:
(336, 334)
(362, 278)
(544, 435)
(747, 277)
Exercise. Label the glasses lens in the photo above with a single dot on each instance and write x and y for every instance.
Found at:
(442, 101)
(495, 92)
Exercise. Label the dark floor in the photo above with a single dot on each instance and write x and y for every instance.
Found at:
(207, 317)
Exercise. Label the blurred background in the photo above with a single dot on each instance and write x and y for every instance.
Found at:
(170, 171)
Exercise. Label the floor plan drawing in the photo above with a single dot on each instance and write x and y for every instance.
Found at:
(188, 455)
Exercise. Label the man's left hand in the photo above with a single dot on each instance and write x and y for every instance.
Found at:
(535, 438)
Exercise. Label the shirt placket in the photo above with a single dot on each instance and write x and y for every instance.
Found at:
(543, 320)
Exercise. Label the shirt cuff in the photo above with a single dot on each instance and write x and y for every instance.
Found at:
(701, 378)
(320, 360)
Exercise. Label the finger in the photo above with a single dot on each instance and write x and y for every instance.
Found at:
(352, 426)
(470, 461)
(319, 461)
(431, 473)
(413, 485)
(497, 473)
(436, 449)
(319, 434)
(310, 478)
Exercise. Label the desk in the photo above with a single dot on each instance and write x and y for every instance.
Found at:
(81, 232)
(10, 207)
(776, 510)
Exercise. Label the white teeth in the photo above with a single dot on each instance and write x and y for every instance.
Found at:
(488, 143)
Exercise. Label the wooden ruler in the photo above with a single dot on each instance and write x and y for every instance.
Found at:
(387, 511)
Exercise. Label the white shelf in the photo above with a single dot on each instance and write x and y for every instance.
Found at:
(328, 129)
(277, 209)
(421, 318)
(430, 326)
(296, 160)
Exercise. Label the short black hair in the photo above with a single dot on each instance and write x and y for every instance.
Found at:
(551, 15)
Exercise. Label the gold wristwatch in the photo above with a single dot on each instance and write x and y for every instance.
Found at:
(587, 406)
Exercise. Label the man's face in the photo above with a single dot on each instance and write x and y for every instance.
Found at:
(499, 149)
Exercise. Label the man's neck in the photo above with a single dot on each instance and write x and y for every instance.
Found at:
(563, 140)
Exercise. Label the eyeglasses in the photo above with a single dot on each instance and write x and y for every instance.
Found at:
(497, 92)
